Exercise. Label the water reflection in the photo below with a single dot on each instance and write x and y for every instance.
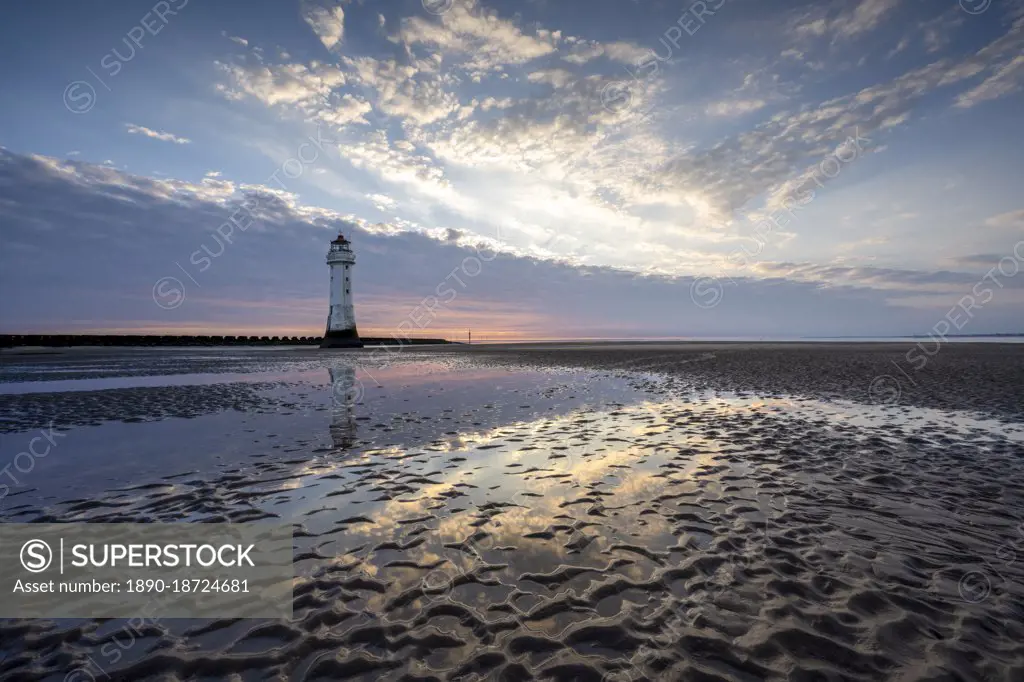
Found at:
(583, 541)
(346, 391)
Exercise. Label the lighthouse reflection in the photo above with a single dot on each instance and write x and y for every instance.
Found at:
(346, 391)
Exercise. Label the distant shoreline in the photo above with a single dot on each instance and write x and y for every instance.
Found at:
(175, 340)
(9, 341)
(25, 345)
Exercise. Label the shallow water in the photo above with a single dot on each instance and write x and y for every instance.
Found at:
(458, 521)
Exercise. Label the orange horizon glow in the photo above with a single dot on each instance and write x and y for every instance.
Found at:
(451, 334)
(494, 336)
(370, 332)
(377, 315)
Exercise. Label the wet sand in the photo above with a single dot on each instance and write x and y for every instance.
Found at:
(985, 377)
(680, 512)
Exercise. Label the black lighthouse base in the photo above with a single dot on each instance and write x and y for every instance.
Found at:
(346, 338)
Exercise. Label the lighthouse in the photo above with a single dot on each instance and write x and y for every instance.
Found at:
(341, 320)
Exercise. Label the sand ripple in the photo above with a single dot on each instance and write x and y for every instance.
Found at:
(735, 539)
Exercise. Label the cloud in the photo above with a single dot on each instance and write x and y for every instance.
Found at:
(1009, 220)
(841, 21)
(478, 33)
(283, 83)
(888, 279)
(344, 110)
(582, 51)
(382, 201)
(766, 158)
(938, 32)
(491, 124)
(861, 243)
(737, 107)
(558, 78)
(413, 91)
(626, 53)
(123, 232)
(327, 22)
(1007, 79)
(865, 17)
(156, 134)
(976, 262)
(397, 162)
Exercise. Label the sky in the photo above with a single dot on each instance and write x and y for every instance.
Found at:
(531, 169)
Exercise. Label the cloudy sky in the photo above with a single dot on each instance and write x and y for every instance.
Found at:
(531, 169)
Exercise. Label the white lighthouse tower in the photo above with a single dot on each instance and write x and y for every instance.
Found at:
(341, 321)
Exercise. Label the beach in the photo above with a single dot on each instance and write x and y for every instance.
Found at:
(680, 511)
